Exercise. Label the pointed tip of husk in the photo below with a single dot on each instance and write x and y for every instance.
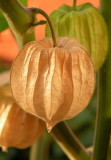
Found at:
(4, 149)
(50, 126)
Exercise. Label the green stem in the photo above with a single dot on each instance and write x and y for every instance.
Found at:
(40, 150)
(40, 11)
(74, 4)
(102, 134)
(103, 127)
(20, 20)
(69, 142)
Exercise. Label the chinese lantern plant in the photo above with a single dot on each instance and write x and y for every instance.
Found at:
(47, 50)
(17, 128)
(87, 25)
(55, 77)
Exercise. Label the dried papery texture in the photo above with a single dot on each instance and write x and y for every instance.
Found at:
(87, 25)
(17, 128)
(54, 84)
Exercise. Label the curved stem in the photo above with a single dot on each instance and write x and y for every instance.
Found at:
(69, 142)
(40, 11)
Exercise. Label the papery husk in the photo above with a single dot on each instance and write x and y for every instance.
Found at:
(54, 84)
(87, 25)
(17, 128)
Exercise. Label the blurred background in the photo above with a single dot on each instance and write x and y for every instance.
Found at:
(83, 124)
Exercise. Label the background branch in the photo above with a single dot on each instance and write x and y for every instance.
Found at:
(103, 126)
(69, 142)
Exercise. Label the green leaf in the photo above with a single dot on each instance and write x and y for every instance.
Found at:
(3, 23)
(42, 22)
(24, 2)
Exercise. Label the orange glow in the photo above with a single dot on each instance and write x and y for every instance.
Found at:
(8, 46)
